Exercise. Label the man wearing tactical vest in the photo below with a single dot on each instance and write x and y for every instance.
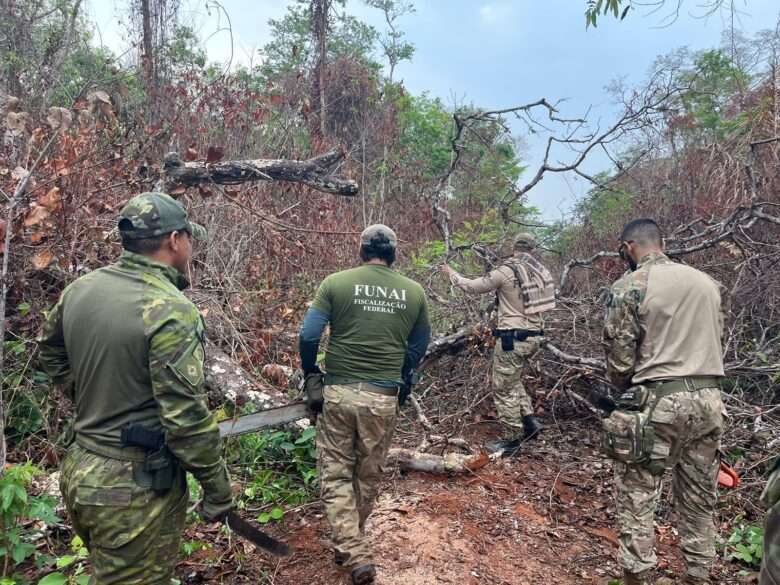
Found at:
(662, 337)
(524, 290)
(379, 331)
(126, 346)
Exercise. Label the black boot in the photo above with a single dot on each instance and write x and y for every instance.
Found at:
(363, 575)
(531, 426)
(507, 447)
(340, 558)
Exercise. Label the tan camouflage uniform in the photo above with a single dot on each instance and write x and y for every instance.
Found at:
(508, 368)
(354, 433)
(663, 323)
(770, 567)
(509, 393)
(127, 346)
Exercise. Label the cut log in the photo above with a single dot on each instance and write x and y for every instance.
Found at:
(315, 172)
(447, 464)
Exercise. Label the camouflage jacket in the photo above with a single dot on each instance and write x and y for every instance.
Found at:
(663, 326)
(127, 346)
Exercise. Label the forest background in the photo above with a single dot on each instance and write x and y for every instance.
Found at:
(693, 142)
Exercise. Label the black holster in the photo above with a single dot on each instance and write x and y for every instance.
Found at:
(508, 336)
(158, 470)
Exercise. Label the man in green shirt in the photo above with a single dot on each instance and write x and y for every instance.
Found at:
(379, 331)
(126, 346)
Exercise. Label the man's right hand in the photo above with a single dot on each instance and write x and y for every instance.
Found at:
(215, 510)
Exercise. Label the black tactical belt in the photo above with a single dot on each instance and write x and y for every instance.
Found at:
(519, 333)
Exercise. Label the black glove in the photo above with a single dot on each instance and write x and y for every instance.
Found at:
(313, 385)
(405, 390)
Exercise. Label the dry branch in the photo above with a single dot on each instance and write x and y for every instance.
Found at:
(315, 172)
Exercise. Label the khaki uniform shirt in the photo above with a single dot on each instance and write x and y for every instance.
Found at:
(663, 321)
(511, 310)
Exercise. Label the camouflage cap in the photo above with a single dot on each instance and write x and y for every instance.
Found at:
(378, 229)
(153, 214)
(524, 240)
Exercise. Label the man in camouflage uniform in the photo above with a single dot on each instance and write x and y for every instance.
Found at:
(514, 407)
(126, 346)
(770, 566)
(662, 337)
(379, 331)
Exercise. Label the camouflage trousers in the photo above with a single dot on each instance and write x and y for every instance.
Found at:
(688, 427)
(770, 567)
(132, 533)
(509, 393)
(354, 433)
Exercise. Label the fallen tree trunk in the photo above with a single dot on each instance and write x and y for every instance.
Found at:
(448, 463)
(229, 381)
(315, 172)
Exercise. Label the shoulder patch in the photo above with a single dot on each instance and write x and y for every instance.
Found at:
(189, 366)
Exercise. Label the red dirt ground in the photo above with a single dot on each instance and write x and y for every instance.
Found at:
(542, 518)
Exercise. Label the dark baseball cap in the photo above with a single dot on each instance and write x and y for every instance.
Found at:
(153, 214)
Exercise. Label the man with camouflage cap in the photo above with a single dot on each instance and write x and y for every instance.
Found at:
(662, 338)
(379, 331)
(126, 346)
(524, 290)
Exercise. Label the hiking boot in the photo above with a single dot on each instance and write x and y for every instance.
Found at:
(531, 426)
(642, 578)
(363, 575)
(507, 447)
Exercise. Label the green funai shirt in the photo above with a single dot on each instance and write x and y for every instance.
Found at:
(372, 310)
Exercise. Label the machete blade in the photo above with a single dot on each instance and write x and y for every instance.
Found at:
(265, 418)
(256, 536)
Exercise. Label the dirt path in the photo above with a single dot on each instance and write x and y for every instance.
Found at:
(545, 517)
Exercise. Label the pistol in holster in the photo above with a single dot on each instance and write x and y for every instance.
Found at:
(509, 336)
(158, 470)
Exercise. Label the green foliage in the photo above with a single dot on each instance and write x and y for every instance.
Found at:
(190, 547)
(604, 210)
(17, 505)
(393, 45)
(279, 469)
(596, 8)
(183, 50)
(745, 544)
(74, 561)
(426, 133)
(714, 80)
(292, 48)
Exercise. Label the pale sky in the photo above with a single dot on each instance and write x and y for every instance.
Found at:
(494, 54)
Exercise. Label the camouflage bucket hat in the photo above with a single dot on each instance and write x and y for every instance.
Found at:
(378, 229)
(153, 214)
